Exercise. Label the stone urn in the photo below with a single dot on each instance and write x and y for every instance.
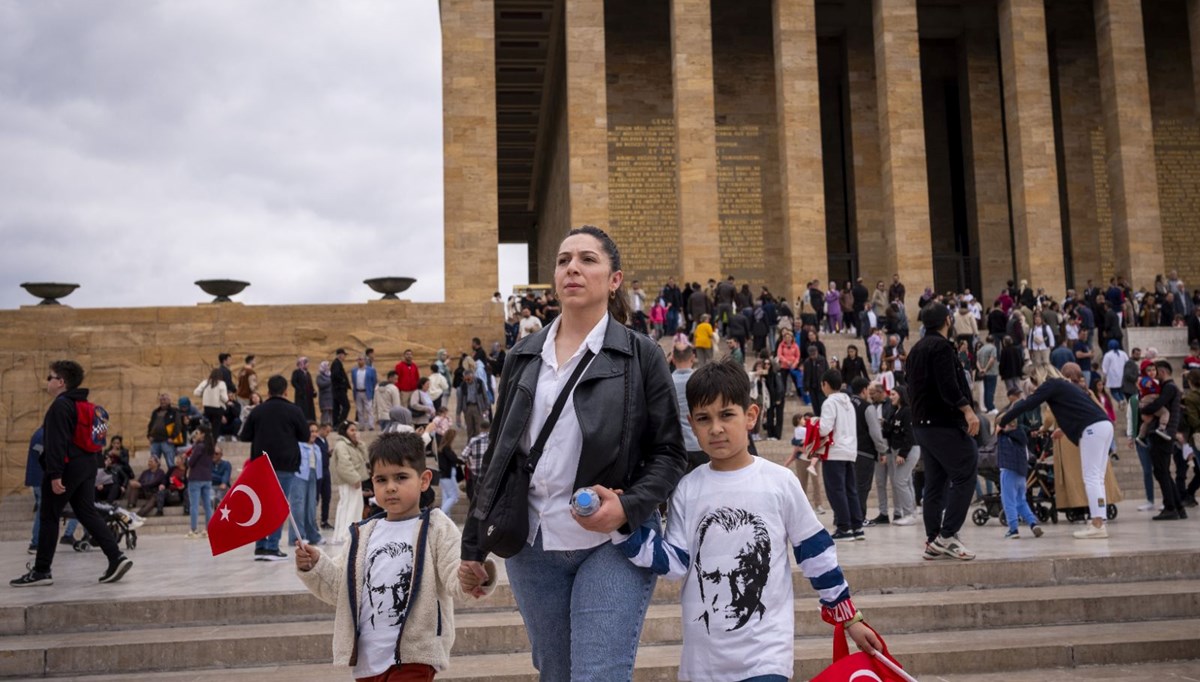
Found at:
(389, 286)
(222, 288)
(49, 292)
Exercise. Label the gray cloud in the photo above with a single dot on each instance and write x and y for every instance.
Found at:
(293, 143)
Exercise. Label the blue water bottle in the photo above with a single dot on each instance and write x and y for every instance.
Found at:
(585, 502)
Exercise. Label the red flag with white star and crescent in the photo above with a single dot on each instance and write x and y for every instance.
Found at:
(252, 509)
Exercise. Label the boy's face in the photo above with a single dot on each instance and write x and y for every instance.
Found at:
(723, 431)
(398, 489)
(826, 389)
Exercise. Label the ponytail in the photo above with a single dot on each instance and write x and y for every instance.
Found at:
(618, 305)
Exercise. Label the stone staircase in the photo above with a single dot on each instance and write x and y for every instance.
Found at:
(940, 618)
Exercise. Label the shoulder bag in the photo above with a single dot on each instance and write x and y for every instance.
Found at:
(504, 531)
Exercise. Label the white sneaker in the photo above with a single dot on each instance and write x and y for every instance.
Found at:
(192, 535)
(1149, 506)
(1092, 533)
(904, 521)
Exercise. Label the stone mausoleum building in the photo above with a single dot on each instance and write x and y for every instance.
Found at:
(954, 142)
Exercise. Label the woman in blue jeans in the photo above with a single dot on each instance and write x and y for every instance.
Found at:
(582, 601)
(199, 480)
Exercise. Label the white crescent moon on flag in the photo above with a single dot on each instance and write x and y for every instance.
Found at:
(253, 500)
(865, 674)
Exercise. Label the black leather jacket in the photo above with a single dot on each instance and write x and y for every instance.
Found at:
(625, 404)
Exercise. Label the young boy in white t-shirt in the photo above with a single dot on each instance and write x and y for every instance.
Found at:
(730, 527)
(397, 616)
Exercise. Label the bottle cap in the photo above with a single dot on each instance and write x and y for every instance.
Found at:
(583, 499)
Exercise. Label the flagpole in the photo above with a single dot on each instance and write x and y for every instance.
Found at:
(291, 519)
(893, 667)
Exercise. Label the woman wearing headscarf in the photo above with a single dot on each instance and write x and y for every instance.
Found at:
(325, 392)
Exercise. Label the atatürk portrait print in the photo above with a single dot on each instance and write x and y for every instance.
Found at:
(733, 560)
(389, 583)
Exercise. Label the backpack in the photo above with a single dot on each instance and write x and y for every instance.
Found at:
(91, 427)
(1129, 378)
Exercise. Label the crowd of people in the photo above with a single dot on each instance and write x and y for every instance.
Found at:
(673, 391)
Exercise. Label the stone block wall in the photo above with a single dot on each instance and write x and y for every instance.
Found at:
(130, 355)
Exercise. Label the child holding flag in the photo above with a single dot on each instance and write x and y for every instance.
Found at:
(395, 619)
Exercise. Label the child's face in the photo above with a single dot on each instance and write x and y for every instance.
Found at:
(723, 431)
(398, 489)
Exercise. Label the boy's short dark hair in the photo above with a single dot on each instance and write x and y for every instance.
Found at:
(859, 384)
(832, 377)
(392, 374)
(1164, 365)
(725, 381)
(249, 359)
(70, 371)
(399, 449)
(222, 357)
(682, 353)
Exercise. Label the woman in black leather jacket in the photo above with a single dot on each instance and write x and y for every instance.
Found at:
(582, 601)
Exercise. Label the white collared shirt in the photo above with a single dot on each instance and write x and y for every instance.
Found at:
(552, 483)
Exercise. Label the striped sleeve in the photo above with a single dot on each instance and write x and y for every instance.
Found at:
(648, 547)
(816, 555)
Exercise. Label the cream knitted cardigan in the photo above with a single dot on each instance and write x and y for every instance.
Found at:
(428, 628)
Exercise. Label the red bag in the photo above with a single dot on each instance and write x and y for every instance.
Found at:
(816, 445)
(91, 427)
(861, 666)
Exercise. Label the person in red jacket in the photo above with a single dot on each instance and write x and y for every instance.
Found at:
(407, 376)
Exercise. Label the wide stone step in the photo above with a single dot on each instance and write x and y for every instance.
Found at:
(960, 651)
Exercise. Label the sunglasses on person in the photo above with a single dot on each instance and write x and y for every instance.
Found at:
(51, 377)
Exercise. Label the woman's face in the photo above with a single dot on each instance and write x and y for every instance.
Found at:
(832, 286)
(852, 352)
(894, 397)
(352, 433)
(583, 274)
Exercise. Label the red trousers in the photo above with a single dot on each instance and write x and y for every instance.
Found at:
(408, 672)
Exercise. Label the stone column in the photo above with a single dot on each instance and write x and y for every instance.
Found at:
(587, 113)
(472, 222)
(874, 263)
(1037, 222)
(802, 175)
(906, 228)
(1193, 9)
(1129, 139)
(695, 139)
(984, 130)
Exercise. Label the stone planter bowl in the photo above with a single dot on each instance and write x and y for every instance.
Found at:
(49, 292)
(389, 286)
(222, 288)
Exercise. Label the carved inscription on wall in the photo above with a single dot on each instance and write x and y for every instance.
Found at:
(643, 205)
(1177, 161)
(741, 208)
(1104, 216)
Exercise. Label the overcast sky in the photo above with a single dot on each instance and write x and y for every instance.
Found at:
(296, 144)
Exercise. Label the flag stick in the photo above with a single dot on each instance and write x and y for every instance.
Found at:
(893, 667)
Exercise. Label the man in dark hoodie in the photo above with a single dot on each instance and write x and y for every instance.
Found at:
(69, 477)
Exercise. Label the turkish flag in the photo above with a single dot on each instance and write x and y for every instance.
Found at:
(861, 667)
(252, 509)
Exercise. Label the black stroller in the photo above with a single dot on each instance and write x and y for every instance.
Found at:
(122, 522)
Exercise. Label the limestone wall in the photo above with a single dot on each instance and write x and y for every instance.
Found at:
(132, 354)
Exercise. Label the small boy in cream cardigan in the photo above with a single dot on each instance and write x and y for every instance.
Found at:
(397, 623)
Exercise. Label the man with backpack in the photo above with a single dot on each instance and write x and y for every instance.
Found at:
(75, 431)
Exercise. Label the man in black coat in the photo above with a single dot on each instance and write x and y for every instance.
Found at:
(275, 429)
(341, 388)
(861, 294)
(69, 478)
(303, 390)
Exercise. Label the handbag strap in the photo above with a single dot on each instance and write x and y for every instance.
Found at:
(535, 453)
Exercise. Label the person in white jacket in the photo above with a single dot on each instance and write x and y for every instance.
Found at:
(213, 394)
(838, 418)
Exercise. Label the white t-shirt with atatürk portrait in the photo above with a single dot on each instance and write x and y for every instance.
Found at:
(387, 586)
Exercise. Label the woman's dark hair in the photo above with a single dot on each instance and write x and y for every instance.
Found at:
(70, 371)
(902, 392)
(399, 449)
(618, 301)
(214, 377)
(344, 428)
(723, 381)
(448, 439)
(422, 383)
(206, 437)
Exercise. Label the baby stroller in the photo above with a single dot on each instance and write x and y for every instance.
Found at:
(122, 522)
(992, 506)
(1039, 486)
(1035, 490)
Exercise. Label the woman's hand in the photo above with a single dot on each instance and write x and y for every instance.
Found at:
(472, 577)
(864, 637)
(609, 517)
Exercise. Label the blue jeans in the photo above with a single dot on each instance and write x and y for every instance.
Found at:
(306, 510)
(1147, 470)
(766, 678)
(200, 492)
(1012, 495)
(164, 451)
(449, 488)
(37, 516)
(583, 610)
(989, 391)
(271, 542)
